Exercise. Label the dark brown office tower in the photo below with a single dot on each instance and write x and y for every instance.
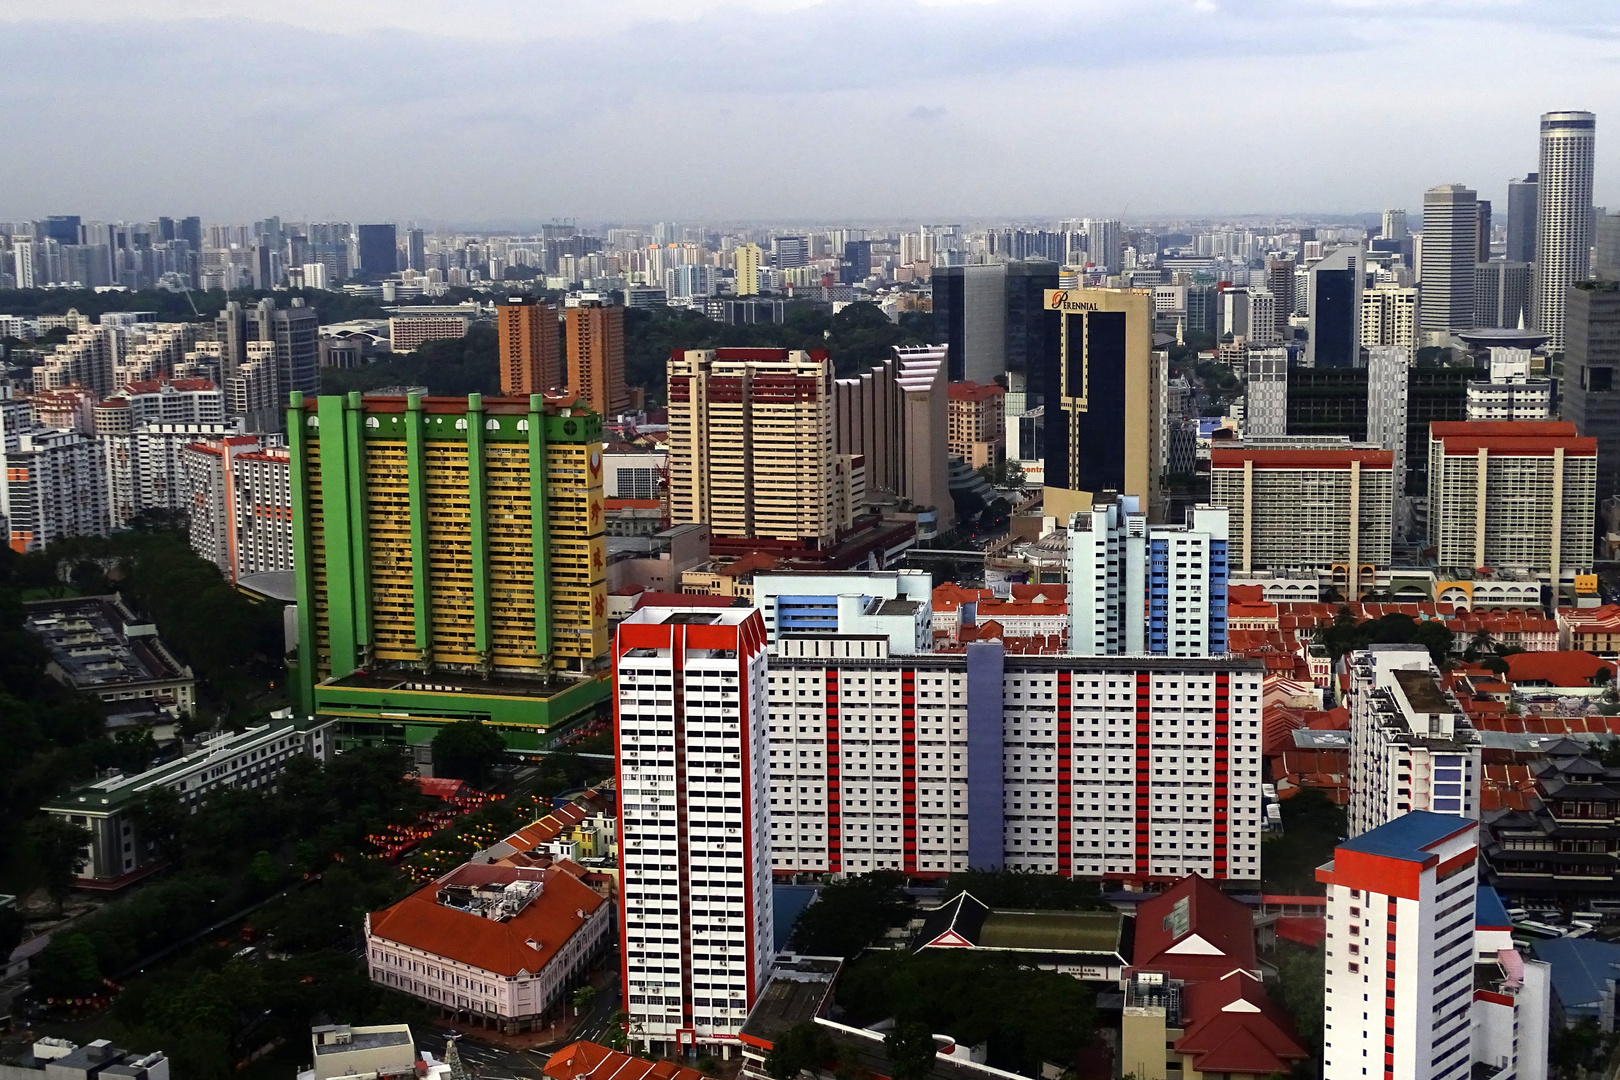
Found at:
(530, 347)
(1280, 280)
(596, 356)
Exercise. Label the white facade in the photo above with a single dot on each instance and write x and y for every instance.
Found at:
(1389, 316)
(239, 498)
(1411, 745)
(1563, 216)
(1265, 398)
(1136, 769)
(893, 603)
(694, 826)
(634, 476)
(1511, 394)
(1400, 948)
(1113, 553)
(144, 469)
(1387, 368)
(55, 486)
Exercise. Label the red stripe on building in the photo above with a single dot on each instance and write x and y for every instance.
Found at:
(1223, 776)
(908, 768)
(1144, 748)
(1065, 773)
(834, 831)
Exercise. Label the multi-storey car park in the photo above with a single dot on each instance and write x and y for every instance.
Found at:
(1131, 768)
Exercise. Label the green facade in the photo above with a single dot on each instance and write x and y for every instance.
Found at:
(339, 426)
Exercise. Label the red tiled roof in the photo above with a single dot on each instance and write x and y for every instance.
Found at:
(1219, 936)
(1048, 593)
(1233, 457)
(1232, 1026)
(1013, 608)
(592, 1061)
(1557, 668)
(440, 787)
(524, 943)
(1605, 618)
(675, 599)
(1440, 429)
(1246, 594)
(972, 391)
(949, 596)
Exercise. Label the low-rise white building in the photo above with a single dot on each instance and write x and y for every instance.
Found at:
(492, 944)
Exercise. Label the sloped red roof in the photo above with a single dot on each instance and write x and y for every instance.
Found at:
(972, 391)
(1558, 668)
(1219, 937)
(948, 596)
(1605, 618)
(1041, 593)
(1232, 1026)
(524, 943)
(592, 1061)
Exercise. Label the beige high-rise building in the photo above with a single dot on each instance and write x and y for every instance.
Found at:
(1450, 250)
(1097, 423)
(751, 448)
(1389, 316)
(894, 416)
(1305, 506)
(978, 432)
(747, 260)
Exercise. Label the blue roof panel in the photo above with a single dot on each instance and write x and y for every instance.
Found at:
(1407, 836)
(1489, 909)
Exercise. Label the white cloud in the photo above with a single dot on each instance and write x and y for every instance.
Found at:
(746, 109)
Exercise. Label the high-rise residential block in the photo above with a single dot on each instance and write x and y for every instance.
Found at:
(751, 446)
(1523, 197)
(894, 417)
(170, 401)
(977, 428)
(1306, 507)
(748, 259)
(1335, 309)
(1400, 973)
(1411, 745)
(144, 468)
(1502, 294)
(529, 344)
(239, 502)
(1389, 316)
(407, 333)
(934, 763)
(1140, 588)
(1510, 393)
(595, 356)
(1589, 391)
(1096, 394)
(690, 706)
(55, 487)
(451, 560)
(1517, 495)
(1563, 216)
(1450, 251)
(293, 331)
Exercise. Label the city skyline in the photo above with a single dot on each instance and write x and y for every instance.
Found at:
(359, 102)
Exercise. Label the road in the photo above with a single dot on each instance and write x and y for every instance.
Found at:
(500, 1063)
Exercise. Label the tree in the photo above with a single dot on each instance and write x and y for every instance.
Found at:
(467, 750)
(911, 1049)
(159, 817)
(1312, 828)
(849, 915)
(11, 929)
(801, 1047)
(1299, 990)
(617, 1040)
(58, 849)
(67, 967)
(584, 997)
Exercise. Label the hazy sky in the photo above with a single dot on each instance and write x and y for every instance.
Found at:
(472, 111)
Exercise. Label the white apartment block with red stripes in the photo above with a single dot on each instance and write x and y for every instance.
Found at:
(1400, 946)
(1130, 768)
(1411, 745)
(694, 824)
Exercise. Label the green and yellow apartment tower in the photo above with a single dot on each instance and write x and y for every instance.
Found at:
(451, 563)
